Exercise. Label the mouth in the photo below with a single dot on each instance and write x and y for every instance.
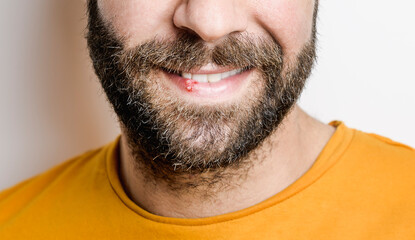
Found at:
(210, 83)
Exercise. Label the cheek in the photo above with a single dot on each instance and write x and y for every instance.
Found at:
(288, 21)
(136, 21)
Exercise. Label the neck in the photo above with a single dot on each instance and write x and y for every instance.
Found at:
(283, 158)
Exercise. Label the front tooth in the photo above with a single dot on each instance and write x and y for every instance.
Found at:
(187, 75)
(212, 78)
(200, 78)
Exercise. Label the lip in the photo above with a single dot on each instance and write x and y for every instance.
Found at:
(223, 90)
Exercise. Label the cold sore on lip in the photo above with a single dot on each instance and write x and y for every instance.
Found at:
(189, 84)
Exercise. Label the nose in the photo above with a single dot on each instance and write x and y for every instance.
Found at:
(211, 19)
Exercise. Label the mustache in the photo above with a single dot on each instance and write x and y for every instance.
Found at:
(185, 52)
(188, 52)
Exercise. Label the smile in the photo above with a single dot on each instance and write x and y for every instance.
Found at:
(212, 83)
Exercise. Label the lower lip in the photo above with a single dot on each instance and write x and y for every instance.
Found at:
(222, 90)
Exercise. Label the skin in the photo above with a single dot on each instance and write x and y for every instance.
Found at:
(286, 155)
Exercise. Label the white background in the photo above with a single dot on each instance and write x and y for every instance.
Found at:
(52, 107)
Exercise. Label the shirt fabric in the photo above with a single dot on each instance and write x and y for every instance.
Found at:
(362, 186)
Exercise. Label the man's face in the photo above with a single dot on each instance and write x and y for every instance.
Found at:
(200, 84)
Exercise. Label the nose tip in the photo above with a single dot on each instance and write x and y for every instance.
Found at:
(211, 20)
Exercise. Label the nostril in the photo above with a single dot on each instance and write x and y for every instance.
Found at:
(189, 31)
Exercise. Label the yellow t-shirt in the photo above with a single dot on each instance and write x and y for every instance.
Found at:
(362, 186)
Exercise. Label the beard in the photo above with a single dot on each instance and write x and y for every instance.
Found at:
(170, 136)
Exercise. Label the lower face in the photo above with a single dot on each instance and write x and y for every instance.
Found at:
(187, 107)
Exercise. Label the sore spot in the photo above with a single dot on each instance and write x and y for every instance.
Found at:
(189, 84)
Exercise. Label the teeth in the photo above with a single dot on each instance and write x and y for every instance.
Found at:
(225, 75)
(211, 78)
(200, 77)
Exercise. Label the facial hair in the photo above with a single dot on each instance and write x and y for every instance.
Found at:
(172, 137)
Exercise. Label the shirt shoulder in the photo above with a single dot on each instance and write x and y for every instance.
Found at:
(17, 198)
(377, 167)
(383, 149)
